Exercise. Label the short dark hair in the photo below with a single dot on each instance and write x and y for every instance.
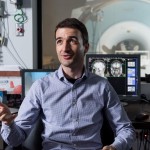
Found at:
(75, 24)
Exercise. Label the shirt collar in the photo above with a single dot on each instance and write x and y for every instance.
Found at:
(61, 74)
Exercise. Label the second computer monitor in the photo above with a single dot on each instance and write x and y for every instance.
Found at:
(31, 75)
(121, 70)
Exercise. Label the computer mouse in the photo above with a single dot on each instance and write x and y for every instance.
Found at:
(141, 116)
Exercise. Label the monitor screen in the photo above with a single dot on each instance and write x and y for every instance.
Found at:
(121, 70)
(31, 75)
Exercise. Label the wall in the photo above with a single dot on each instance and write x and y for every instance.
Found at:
(54, 11)
(19, 50)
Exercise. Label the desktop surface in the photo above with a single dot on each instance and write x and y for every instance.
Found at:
(135, 108)
(13, 110)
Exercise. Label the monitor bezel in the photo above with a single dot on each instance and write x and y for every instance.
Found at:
(126, 97)
(23, 71)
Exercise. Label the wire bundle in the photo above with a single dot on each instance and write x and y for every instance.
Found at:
(20, 16)
(143, 139)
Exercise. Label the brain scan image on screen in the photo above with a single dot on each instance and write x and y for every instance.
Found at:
(116, 68)
(98, 67)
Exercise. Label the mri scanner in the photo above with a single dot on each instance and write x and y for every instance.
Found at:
(118, 26)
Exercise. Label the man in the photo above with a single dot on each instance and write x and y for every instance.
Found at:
(70, 102)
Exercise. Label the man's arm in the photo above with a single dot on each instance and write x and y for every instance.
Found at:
(119, 121)
(15, 131)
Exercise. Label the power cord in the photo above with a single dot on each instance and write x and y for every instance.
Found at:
(20, 16)
(144, 98)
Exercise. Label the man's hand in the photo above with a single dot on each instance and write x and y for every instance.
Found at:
(109, 147)
(5, 114)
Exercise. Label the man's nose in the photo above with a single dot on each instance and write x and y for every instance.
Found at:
(66, 46)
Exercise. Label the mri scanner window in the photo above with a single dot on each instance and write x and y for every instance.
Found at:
(118, 68)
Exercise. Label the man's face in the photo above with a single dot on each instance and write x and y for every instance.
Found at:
(69, 47)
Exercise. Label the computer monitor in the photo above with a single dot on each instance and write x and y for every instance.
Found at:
(31, 75)
(121, 70)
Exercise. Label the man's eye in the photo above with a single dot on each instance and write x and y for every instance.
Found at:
(73, 41)
(59, 42)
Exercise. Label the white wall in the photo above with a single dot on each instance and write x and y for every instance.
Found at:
(23, 48)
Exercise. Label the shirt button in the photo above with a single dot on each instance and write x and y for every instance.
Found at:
(74, 102)
(73, 134)
(75, 120)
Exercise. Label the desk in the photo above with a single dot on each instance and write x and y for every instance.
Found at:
(133, 109)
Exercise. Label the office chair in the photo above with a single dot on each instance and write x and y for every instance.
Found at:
(107, 135)
(33, 141)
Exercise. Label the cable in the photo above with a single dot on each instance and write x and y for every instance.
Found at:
(20, 17)
(145, 139)
(144, 97)
(5, 36)
(13, 48)
(13, 56)
(6, 10)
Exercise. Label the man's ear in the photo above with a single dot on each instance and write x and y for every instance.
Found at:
(86, 46)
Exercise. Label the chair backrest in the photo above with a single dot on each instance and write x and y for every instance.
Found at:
(107, 134)
(33, 141)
